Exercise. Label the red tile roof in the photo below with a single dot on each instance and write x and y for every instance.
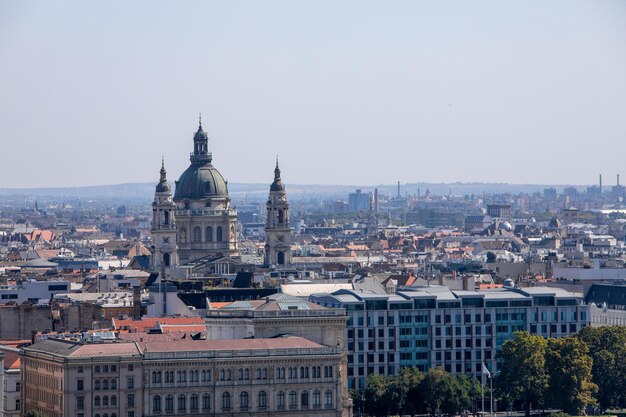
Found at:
(150, 323)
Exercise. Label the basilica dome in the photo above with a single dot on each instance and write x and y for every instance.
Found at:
(201, 180)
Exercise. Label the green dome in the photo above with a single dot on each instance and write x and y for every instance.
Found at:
(199, 181)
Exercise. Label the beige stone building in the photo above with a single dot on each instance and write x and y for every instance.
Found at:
(155, 376)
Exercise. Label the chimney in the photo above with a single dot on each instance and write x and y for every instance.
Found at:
(137, 303)
(398, 189)
(600, 183)
(376, 197)
(466, 280)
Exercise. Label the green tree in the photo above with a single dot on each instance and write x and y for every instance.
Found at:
(35, 414)
(407, 384)
(569, 371)
(376, 395)
(444, 392)
(522, 374)
(607, 348)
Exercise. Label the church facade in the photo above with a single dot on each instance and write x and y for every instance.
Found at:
(196, 220)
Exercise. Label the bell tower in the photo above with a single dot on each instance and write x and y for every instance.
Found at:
(163, 229)
(277, 230)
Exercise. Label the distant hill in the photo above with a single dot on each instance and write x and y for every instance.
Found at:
(145, 191)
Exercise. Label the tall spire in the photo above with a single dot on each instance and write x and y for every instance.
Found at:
(276, 170)
(201, 152)
(163, 185)
(277, 185)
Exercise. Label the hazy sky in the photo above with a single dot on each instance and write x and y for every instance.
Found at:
(346, 92)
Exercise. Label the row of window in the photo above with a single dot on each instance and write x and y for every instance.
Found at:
(208, 234)
(98, 384)
(181, 376)
(104, 368)
(105, 401)
(166, 403)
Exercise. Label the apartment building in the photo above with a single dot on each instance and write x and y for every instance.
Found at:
(453, 329)
(151, 376)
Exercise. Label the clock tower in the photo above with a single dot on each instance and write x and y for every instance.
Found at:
(277, 230)
(163, 226)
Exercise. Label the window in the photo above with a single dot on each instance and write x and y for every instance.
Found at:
(114, 384)
(182, 402)
(18, 405)
(130, 383)
(80, 403)
(131, 367)
(206, 402)
(80, 385)
(193, 402)
(96, 401)
(113, 400)
(96, 384)
(80, 369)
(280, 399)
(218, 234)
(328, 398)
(105, 401)
(105, 368)
(208, 235)
(226, 401)
(243, 400)
(197, 234)
(113, 368)
(293, 399)
(130, 414)
(130, 400)
(169, 403)
(317, 400)
(105, 384)
(262, 399)
(304, 398)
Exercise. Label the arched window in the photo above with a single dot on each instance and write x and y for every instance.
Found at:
(240, 373)
(206, 402)
(228, 375)
(96, 384)
(105, 415)
(262, 399)
(304, 398)
(293, 399)
(169, 403)
(166, 217)
(328, 398)
(218, 233)
(281, 217)
(226, 401)
(96, 401)
(222, 374)
(105, 384)
(280, 399)
(280, 258)
(114, 384)
(208, 235)
(197, 234)
(193, 402)
(182, 402)
(243, 400)
(105, 401)
(317, 400)
(113, 400)
(166, 259)
(156, 403)
(304, 372)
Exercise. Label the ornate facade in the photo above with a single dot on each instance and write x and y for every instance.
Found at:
(201, 222)
(277, 230)
(288, 376)
(163, 225)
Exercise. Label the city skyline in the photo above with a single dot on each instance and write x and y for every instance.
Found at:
(353, 93)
